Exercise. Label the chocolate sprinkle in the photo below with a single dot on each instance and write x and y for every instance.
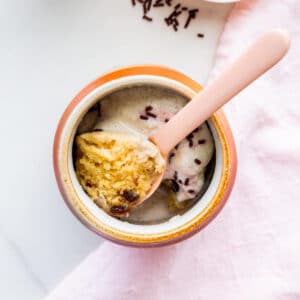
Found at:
(130, 195)
(148, 108)
(175, 175)
(180, 181)
(143, 117)
(187, 181)
(190, 139)
(197, 161)
(166, 120)
(176, 147)
(191, 191)
(150, 114)
(147, 18)
(200, 35)
(200, 142)
(190, 136)
(158, 3)
(175, 186)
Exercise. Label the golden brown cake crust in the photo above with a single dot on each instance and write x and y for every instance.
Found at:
(116, 170)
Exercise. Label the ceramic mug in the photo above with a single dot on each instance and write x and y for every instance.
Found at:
(176, 228)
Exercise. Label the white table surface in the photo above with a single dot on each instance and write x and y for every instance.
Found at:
(48, 51)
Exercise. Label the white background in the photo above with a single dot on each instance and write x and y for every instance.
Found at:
(50, 49)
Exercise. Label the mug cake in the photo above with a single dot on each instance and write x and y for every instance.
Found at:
(94, 159)
(139, 111)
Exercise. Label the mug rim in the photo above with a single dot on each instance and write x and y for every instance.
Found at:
(190, 227)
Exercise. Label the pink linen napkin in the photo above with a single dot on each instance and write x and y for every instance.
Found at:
(252, 249)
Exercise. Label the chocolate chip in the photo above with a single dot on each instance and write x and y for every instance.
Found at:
(175, 186)
(118, 209)
(166, 120)
(130, 195)
(143, 117)
(190, 136)
(200, 142)
(197, 161)
(180, 181)
(191, 191)
(187, 181)
(148, 108)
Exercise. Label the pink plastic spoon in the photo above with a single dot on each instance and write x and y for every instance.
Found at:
(264, 53)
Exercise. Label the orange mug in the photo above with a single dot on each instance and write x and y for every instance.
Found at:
(122, 232)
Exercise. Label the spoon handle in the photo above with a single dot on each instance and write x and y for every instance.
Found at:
(265, 52)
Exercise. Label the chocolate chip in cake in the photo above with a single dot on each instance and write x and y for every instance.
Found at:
(130, 195)
(88, 184)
